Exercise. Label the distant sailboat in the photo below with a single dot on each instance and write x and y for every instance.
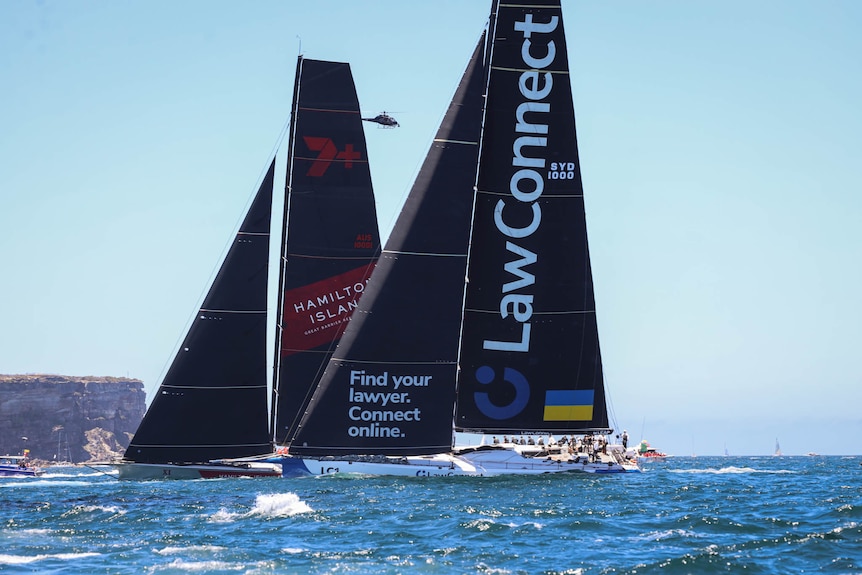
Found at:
(777, 448)
(482, 302)
(210, 417)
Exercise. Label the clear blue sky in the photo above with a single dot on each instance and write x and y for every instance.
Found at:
(721, 157)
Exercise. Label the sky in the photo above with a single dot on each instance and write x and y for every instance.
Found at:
(720, 152)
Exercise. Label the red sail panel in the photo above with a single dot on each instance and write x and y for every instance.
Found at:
(316, 314)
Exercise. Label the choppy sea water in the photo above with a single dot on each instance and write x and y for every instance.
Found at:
(685, 515)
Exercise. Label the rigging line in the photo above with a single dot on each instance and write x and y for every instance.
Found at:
(214, 387)
(522, 70)
(261, 175)
(194, 445)
(309, 351)
(549, 313)
(612, 415)
(232, 310)
(543, 196)
(371, 259)
(390, 362)
(333, 110)
(432, 254)
(97, 470)
(465, 142)
(545, 6)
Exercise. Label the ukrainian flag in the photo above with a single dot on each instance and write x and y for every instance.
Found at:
(569, 405)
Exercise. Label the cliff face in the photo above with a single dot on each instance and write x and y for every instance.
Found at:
(67, 418)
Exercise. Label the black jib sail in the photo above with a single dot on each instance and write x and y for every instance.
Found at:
(390, 386)
(332, 239)
(530, 359)
(220, 369)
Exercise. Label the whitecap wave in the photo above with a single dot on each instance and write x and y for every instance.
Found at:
(668, 534)
(41, 482)
(279, 505)
(28, 532)
(268, 505)
(731, 470)
(96, 509)
(26, 559)
(533, 524)
(59, 475)
(199, 566)
(175, 550)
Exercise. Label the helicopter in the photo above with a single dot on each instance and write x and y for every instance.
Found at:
(384, 120)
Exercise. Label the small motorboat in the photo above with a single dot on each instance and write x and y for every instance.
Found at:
(18, 466)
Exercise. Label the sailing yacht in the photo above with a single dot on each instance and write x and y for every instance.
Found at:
(210, 416)
(482, 303)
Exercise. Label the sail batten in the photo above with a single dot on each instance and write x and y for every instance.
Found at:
(545, 196)
(250, 311)
(366, 259)
(425, 254)
(214, 387)
(522, 70)
(327, 110)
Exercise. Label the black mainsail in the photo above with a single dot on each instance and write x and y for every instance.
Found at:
(211, 403)
(530, 359)
(481, 306)
(390, 386)
(332, 240)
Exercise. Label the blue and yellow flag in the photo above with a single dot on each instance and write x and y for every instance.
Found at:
(568, 405)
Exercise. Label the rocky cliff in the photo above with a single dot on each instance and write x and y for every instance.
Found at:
(65, 418)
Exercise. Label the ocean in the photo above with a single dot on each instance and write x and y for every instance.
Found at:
(684, 515)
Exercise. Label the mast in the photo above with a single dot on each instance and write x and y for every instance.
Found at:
(487, 40)
(282, 259)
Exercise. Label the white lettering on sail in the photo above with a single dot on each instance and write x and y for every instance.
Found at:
(330, 298)
(527, 183)
(392, 404)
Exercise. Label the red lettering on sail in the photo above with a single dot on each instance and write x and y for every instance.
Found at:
(327, 153)
(363, 241)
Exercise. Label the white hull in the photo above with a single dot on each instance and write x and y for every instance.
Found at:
(148, 471)
(508, 460)
(476, 462)
(440, 465)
